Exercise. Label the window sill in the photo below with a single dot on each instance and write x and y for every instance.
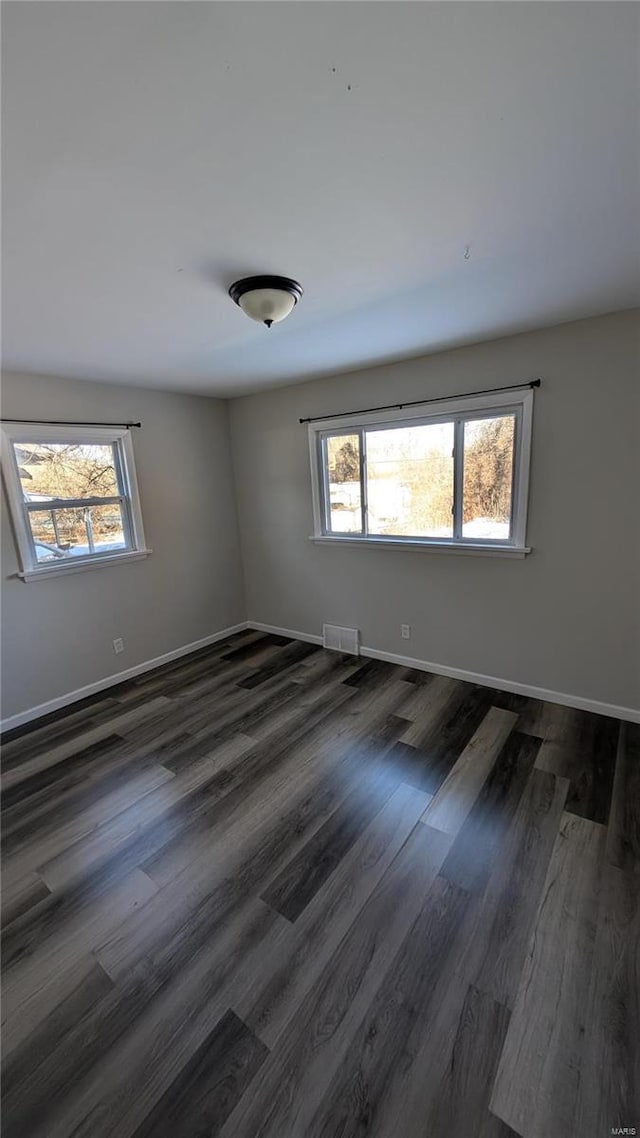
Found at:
(468, 548)
(58, 570)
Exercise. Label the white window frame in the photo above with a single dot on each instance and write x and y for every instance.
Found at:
(30, 569)
(458, 411)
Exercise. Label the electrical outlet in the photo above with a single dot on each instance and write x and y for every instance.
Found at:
(405, 631)
(118, 645)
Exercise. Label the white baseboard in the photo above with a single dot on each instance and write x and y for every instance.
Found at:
(109, 681)
(577, 701)
(308, 636)
(616, 712)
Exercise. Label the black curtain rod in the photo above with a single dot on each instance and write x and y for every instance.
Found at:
(68, 423)
(421, 402)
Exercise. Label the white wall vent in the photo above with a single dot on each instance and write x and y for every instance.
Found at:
(341, 639)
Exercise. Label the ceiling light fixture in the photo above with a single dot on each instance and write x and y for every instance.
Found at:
(266, 299)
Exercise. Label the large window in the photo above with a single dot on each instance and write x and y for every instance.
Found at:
(73, 496)
(453, 476)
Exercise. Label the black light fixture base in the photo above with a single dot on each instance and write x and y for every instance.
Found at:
(250, 284)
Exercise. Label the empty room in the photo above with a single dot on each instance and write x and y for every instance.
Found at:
(320, 582)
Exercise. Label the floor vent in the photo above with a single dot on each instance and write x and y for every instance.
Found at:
(341, 639)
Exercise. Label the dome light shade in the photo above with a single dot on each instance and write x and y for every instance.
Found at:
(266, 299)
(267, 304)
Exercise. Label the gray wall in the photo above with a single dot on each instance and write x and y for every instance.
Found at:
(566, 617)
(58, 632)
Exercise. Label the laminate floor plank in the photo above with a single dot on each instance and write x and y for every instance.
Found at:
(307, 948)
(209, 684)
(369, 707)
(46, 925)
(544, 720)
(428, 704)
(339, 665)
(412, 766)
(272, 891)
(462, 1101)
(212, 674)
(105, 785)
(296, 885)
(152, 681)
(137, 833)
(592, 767)
(322, 736)
(527, 709)
(415, 1083)
(212, 1082)
(66, 773)
(248, 650)
(222, 878)
(178, 675)
(371, 675)
(297, 1075)
(133, 1041)
(43, 944)
(281, 712)
(53, 833)
(288, 657)
(262, 767)
(609, 1092)
(581, 747)
(118, 724)
(19, 743)
(538, 1080)
(91, 985)
(297, 787)
(498, 936)
(477, 844)
(399, 1010)
(453, 801)
(440, 746)
(240, 716)
(48, 995)
(26, 892)
(623, 842)
(178, 717)
(29, 741)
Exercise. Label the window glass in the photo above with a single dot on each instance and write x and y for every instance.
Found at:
(488, 478)
(410, 481)
(66, 470)
(64, 533)
(343, 478)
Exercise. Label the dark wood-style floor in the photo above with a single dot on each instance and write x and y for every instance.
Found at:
(272, 892)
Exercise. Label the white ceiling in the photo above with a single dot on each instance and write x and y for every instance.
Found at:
(153, 153)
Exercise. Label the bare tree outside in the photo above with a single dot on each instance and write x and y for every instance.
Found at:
(71, 471)
(343, 461)
(488, 476)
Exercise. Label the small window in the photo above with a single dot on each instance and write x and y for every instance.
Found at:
(73, 496)
(455, 476)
